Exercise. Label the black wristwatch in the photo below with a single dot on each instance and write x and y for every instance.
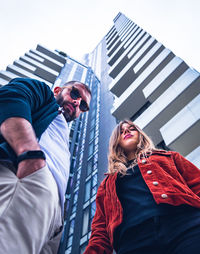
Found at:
(34, 154)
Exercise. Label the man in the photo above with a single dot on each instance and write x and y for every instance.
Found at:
(34, 162)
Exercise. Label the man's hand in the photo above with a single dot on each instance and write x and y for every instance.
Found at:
(20, 135)
(29, 166)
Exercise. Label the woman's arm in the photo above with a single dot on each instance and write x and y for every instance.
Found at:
(99, 242)
(189, 172)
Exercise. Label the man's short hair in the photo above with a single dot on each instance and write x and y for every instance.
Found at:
(69, 83)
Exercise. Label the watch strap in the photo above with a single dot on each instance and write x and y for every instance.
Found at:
(34, 154)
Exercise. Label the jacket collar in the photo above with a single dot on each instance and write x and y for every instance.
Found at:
(162, 152)
(158, 152)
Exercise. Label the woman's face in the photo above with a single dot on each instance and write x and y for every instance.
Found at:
(129, 138)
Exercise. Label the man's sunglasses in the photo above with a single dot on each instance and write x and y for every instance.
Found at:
(75, 94)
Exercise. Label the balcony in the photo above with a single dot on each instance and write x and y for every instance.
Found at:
(3, 82)
(25, 66)
(41, 70)
(123, 52)
(123, 60)
(112, 40)
(122, 37)
(121, 48)
(44, 59)
(165, 78)
(7, 75)
(167, 105)
(51, 54)
(122, 82)
(183, 128)
(19, 72)
(109, 33)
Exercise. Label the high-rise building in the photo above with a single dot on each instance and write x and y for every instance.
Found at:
(89, 141)
(133, 76)
(154, 88)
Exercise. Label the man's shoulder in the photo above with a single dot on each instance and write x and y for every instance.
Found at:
(30, 85)
(27, 81)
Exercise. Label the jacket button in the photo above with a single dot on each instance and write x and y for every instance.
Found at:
(149, 172)
(144, 161)
(164, 196)
(155, 183)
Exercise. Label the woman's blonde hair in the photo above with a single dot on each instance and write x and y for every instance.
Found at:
(117, 159)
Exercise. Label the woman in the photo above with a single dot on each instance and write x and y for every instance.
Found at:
(149, 202)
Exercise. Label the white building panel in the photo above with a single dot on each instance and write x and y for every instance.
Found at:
(162, 75)
(194, 157)
(182, 121)
(140, 78)
(167, 97)
(150, 53)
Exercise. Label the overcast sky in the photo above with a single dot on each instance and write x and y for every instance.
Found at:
(77, 26)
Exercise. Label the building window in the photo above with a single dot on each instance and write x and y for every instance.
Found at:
(75, 151)
(92, 123)
(70, 239)
(89, 167)
(75, 197)
(94, 180)
(94, 184)
(72, 165)
(82, 248)
(71, 227)
(93, 113)
(87, 190)
(93, 209)
(68, 251)
(71, 133)
(85, 221)
(91, 134)
(71, 182)
(90, 149)
(77, 183)
(95, 157)
(77, 137)
(92, 213)
(94, 190)
(96, 148)
(74, 208)
(94, 104)
(94, 96)
(78, 174)
(95, 166)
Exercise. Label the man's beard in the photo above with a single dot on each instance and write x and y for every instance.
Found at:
(66, 113)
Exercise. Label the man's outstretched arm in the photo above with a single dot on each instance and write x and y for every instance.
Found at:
(20, 135)
(19, 100)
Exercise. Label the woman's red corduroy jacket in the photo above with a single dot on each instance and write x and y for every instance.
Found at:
(177, 182)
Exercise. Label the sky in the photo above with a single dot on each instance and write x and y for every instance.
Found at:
(77, 26)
